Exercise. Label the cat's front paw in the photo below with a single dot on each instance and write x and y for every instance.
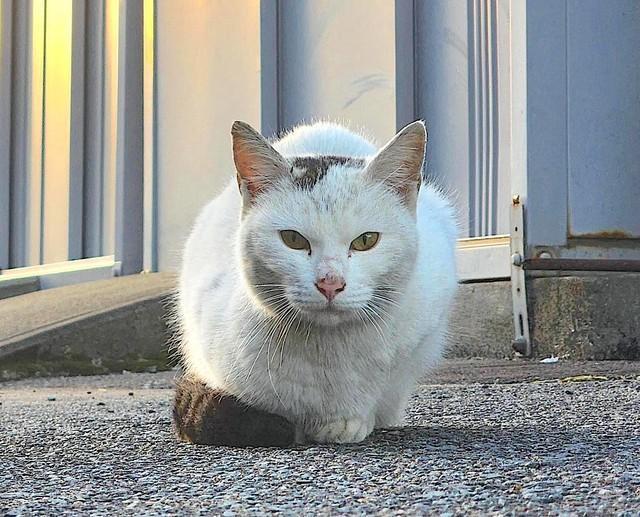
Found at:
(343, 430)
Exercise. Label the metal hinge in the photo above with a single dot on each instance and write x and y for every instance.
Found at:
(521, 342)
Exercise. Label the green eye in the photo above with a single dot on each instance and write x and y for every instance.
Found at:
(365, 242)
(294, 240)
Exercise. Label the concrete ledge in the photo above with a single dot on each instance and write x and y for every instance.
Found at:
(591, 317)
(96, 327)
(595, 317)
(120, 324)
(18, 286)
(481, 322)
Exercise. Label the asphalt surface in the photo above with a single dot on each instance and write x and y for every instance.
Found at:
(104, 445)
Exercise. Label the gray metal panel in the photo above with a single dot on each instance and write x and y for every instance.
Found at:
(269, 16)
(76, 137)
(546, 202)
(337, 61)
(603, 90)
(442, 96)
(19, 110)
(405, 32)
(129, 176)
(93, 130)
(5, 129)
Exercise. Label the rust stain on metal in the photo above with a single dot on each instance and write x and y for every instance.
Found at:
(605, 234)
(566, 264)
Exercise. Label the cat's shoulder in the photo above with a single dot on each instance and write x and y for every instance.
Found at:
(324, 138)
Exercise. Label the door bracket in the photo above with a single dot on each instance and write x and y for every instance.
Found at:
(521, 343)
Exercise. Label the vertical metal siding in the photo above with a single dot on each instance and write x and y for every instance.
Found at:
(93, 129)
(19, 132)
(269, 57)
(208, 75)
(97, 159)
(460, 92)
(336, 60)
(62, 148)
(77, 140)
(5, 130)
(35, 121)
(129, 174)
(405, 62)
(57, 131)
(443, 99)
(150, 216)
(110, 124)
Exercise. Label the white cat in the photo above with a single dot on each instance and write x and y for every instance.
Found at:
(319, 286)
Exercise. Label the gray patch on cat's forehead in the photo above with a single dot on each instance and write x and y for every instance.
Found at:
(308, 170)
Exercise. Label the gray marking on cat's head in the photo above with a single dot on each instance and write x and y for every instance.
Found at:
(308, 170)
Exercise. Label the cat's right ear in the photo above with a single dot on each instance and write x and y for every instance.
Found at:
(257, 162)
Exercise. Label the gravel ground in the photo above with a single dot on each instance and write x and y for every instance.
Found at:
(104, 445)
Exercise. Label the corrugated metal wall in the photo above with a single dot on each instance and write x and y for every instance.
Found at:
(104, 153)
(70, 131)
(375, 64)
(582, 105)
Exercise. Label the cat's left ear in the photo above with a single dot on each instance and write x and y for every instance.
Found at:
(399, 163)
(257, 162)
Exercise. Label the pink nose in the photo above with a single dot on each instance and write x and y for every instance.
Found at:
(330, 286)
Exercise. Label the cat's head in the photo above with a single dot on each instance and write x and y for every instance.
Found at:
(328, 239)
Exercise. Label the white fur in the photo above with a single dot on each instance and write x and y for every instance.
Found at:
(339, 374)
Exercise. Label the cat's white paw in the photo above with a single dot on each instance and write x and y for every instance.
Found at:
(343, 430)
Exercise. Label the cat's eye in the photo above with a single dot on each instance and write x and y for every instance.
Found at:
(295, 240)
(365, 242)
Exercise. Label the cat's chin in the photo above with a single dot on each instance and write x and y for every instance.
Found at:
(328, 316)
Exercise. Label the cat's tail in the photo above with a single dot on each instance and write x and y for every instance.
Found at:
(205, 416)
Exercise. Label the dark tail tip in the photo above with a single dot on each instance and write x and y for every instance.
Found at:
(205, 416)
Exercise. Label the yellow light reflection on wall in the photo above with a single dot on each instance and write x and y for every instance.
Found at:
(57, 129)
(34, 199)
(110, 114)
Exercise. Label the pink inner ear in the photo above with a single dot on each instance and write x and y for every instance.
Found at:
(244, 167)
(256, 161)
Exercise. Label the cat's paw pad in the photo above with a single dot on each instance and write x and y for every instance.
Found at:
(343, 430)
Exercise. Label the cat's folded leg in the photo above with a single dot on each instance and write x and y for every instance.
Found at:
(211, 417)
(390, 411)
(342, 430)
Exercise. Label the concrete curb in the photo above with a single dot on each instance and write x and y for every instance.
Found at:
(589, 317)
(121, 324)
(114, 325)
(595, 317)
(18, 286)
